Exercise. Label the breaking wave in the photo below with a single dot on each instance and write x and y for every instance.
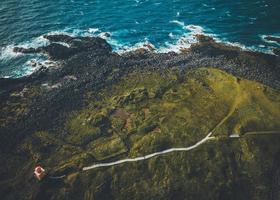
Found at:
(177, 42)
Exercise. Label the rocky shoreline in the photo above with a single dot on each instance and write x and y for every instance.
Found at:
(86, 62)
(67, 50)
(87, 66)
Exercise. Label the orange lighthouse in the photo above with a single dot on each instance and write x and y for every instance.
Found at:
(39, 172)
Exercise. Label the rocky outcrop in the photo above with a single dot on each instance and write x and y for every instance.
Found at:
(74, 45)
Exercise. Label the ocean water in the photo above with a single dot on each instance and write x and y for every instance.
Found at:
(168, 25)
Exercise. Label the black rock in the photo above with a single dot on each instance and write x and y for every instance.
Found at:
(26, 51)
(58, 38)
(57, 51)
(276, 51)
(75, 45)
(107, 34)
(272, 38)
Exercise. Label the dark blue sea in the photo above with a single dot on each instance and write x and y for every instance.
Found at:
(168, 25)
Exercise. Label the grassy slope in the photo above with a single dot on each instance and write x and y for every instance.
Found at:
(148, 112)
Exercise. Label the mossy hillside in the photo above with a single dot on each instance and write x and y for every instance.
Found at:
(152, 108)
(253, 110)
(104, 148)
(148, 112)
(224, 169)
(151, 111)
(43, 144)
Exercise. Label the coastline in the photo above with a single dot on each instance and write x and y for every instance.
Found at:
(175, 44)
(200, 42)
(87, 61)
(48, 116)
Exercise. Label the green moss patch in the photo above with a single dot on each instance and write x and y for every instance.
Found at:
(105, 148)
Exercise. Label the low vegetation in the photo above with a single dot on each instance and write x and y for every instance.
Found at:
(147, 112)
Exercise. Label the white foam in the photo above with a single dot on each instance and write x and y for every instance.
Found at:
(64, 32)
(25, 70)
(178, 42)
(194, 29)
(270, 41)
(74, 32)
(171, 35)
(258, 48)
(36, 63)
(178, 23)
(228, 13)
(5, 77)
(7, 53)
(140, 45)
(63, 44)
(34, 43)
(93, 30)
(189, 38)
(37, 42)
(32, 65)
(184, 41)
(104, 35)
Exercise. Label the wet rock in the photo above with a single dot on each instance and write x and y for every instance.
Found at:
(57, 51)
(149, 47)
(54, 50)
(276, 51)
(107, 35)
(204, 38)
(25, 50)
(59, 38)
(273, 39)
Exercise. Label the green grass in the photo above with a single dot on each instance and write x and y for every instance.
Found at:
(151, 111)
